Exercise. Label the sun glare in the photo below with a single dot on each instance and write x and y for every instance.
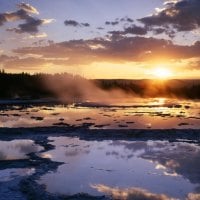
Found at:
(162, 73)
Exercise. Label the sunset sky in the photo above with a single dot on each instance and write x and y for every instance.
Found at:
(132, 39)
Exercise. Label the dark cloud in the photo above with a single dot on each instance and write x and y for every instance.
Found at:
(183, 15)
(119, 20)
(30, 25)
(71, 23)
(137, 30)
(100, 28)
(75, 23)
(134, 30)
(117, 34)
(170, 32)
(13, 16)
(112, 23)
(113, 49)
(40, 42)
(127, 19)
(85, 24)
(159, 30)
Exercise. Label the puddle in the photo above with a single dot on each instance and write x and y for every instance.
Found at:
(17, 149)
(158, 113)
(10, 174)
(123, 167)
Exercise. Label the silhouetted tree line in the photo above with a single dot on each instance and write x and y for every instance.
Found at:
(26, 86)
(21, 86)
(189, 89)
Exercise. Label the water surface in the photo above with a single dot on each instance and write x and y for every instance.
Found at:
(17, 149)
(158, 113)
(112, 167)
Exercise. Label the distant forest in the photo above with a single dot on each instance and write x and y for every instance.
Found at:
(37, 86)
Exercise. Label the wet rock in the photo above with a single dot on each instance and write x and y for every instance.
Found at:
(37, 118)
(183, 124)
(101, 125)
(78, 120)
(61, 124)
(187, 107)
(55, 114)
(179, 116)
(87, 118)
(16, 115)
(3, 114)
(122, 125)
(87, 125)
(177, 106)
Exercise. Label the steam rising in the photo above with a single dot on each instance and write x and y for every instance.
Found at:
(77, 89)
(69, 88)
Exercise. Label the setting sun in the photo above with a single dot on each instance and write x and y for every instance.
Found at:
(162, 73)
